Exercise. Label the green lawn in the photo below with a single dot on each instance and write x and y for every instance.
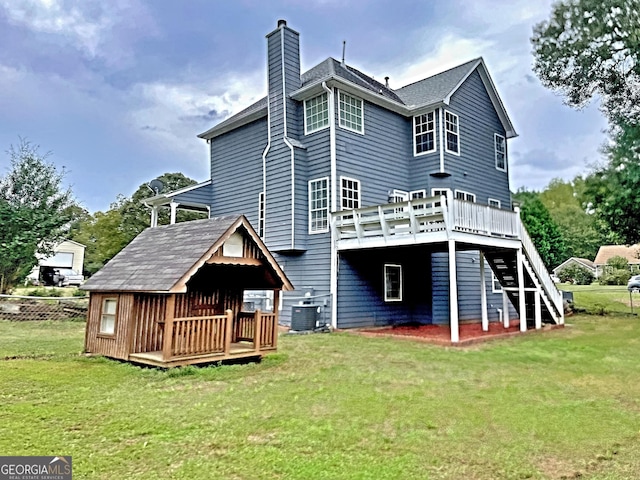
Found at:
(603, 299)
(563, 404)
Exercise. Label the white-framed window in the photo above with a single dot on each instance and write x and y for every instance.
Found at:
(108, 316)
(398, 196)
(351, 112)
(424, 133)
(392, 282)
(316, 113)
(494, 203)
(417, 194)
(319, 205)
(466, 196)
(501, 152)
(439, 192)
(349, 193)
(495, 284)
(261, 214)
(452, 134)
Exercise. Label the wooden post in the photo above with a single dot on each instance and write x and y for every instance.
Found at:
(453, 293)
(538, 309)
(168, 327)
(483, 295)
(521, 293)
(228, 332)
(276, 300)
(505, 309)
(257, 330)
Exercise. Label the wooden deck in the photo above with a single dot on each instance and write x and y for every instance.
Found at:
(237, 350)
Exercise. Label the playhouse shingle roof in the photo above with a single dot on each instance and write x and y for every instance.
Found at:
(159, 257)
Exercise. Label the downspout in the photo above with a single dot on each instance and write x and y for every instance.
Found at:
(288, 144)
(440, 130)
(333, 207)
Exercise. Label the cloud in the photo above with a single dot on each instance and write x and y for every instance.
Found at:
(169, 113)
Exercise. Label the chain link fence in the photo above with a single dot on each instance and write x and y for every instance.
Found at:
(19, 308)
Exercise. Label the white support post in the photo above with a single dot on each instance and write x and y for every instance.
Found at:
(174, 208)
(538, 308)
(154, 216)
(483, 295)
(453, 293)
(522, 299)
(505, 309)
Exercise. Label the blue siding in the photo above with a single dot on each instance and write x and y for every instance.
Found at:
(361, 288)
(236, 171)
(422, 166)
(474, 170)
(199, 195)
(380, 158)
(468, 276)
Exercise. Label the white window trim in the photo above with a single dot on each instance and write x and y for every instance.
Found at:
(494, 280)
(114, 315)
(326, 229)
(403, 195)
(435, 142)
(499, 204)
(446, 144)
(359, 192)
(465, 193)
(400, 290)
(495, 148)
(306, 128)
(447, 192)
(361, 132)
(422, 192)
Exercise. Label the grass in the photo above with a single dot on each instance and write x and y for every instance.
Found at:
(339, 406)
(600, 300)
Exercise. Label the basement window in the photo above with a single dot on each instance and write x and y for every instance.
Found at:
(392, 283)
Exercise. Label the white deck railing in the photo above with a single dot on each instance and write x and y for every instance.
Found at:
(437, 214)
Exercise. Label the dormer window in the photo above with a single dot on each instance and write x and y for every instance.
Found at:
(452, 139)
(351, 116)
(316, 113)
(424, 133)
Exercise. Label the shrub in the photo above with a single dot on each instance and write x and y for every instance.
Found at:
(79, 293)
(44, 292)
(576, 274)
(618, 263)
(616, 277)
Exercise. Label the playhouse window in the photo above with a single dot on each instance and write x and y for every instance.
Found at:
(108, 317)
(392, 283)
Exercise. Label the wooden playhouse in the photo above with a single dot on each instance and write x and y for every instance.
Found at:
(174, 296)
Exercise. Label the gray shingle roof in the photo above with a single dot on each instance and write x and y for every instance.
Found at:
(247, 112)
(159, 257)
(435, 88)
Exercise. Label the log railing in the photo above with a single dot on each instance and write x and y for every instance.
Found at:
(215, 334)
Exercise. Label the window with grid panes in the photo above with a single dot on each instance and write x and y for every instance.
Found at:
(316, 113)
(424, 133)
(350, 112)
(319, 205)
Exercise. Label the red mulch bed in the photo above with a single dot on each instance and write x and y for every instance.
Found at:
(470, 333)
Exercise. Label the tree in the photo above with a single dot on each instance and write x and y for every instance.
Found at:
(541, 228)
(613, 189)
(34, 212)
(578, 228)
(592, 47)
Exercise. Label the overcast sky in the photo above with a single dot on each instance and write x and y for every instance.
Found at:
(117, 90)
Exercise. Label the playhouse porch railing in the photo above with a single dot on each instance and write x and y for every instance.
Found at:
(219, 334)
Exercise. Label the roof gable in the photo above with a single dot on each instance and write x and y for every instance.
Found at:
(163, 259)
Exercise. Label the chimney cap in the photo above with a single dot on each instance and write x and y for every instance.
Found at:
(282, 23)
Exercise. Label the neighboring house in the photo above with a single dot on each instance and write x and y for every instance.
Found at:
(174, 296)
(67, 255)
(605, 252)
(580, 262)
(391, 205)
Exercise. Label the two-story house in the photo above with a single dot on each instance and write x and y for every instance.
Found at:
(389, 205)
